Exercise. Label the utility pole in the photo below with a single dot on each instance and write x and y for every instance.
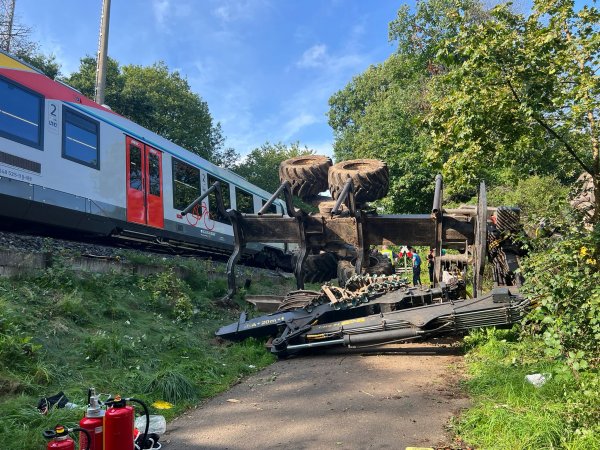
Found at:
(102, 52)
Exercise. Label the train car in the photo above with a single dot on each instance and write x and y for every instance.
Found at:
(68, 162)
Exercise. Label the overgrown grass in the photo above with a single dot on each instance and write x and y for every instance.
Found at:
(510, 413)
(150, 338)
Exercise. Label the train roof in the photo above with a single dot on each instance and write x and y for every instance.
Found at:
(27, 75)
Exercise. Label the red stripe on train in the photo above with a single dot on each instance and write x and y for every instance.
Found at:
(49, 88)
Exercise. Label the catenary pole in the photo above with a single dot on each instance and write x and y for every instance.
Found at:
(102, 52)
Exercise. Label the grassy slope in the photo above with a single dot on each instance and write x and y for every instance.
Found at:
(510, 413)
(118, 334)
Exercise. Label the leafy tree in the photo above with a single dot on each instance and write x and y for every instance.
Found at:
(161, 101)
(375, 116)
(521, 95)
(46, 63)
(261, 166)
(379, 113)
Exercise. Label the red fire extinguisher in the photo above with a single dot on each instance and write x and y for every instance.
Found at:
(119, 424)
(93, 422)
(60, 439)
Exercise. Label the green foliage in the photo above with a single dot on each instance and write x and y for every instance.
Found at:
(509, 412)
(420, 33)
(563, 278)
(380, 112)
(376, 116)
(107, 347)
(46, 63)
(172, 386)
(124, 348)
(169, 293)
(261, 165)
(18, 351)
(161, 101)
(538, 197)
(517, 97)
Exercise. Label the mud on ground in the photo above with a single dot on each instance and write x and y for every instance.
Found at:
(391, 397)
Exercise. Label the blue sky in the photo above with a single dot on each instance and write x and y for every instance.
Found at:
(266, 67)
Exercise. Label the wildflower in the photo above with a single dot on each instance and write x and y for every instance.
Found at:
(583, 251)
(161, 404)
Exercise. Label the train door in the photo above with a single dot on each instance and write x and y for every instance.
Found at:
(144, 184)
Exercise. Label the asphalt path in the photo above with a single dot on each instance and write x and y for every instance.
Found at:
(394, 397)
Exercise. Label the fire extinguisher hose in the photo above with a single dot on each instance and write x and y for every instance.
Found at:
(146, 412)
(88, 435)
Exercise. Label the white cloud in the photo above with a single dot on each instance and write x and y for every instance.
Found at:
(318, 56)
(167, 13)
(161, 9)
(296, 123)
(236, 10)
(315, 56)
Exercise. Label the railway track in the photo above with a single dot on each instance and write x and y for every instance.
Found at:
(57, 242)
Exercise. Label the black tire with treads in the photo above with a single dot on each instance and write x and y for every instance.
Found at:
(370, 177)
(345, 270)
(306, 174)
(378, 265)
(319, 268)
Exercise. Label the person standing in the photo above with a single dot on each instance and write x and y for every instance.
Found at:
(431, 264)
(416, 266)
(385, 251)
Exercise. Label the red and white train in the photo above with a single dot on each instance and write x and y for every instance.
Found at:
(68, 162)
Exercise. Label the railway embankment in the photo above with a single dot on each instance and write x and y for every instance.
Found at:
(138, 324)
(23, 254)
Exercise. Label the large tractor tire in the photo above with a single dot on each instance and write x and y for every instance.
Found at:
(319, 268)
(371, 179)
(306, 174)
(378, 265)
(345, 270)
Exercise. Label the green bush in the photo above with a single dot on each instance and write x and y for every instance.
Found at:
(168, 292)
(563, 280)
(508, 412)
(537, 197)
(108, 348)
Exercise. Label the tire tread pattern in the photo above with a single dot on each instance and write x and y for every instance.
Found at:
(370, 184)
(306, 174)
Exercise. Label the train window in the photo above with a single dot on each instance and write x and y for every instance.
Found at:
(21, 113)
(154, 172)
(135, 167)
(244, 201)
(186, 184)
(215, 214)
(81, 140)
(272, 208)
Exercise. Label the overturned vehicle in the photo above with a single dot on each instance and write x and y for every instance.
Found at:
(371, 304)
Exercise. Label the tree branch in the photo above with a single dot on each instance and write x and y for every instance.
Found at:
(553, 133)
